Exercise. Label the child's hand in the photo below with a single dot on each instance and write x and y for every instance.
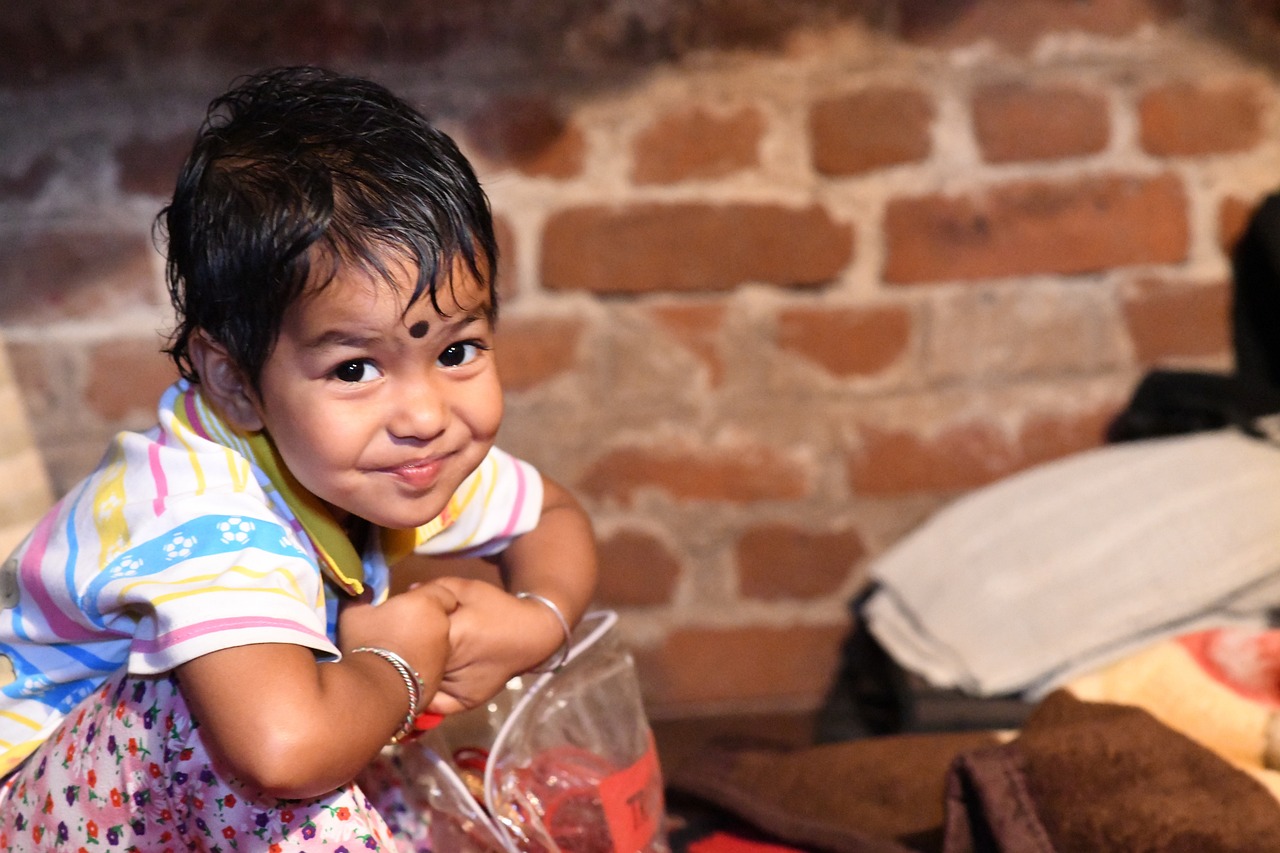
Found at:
(492, 636)
(414, 624)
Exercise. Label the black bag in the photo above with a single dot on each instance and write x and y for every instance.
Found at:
(872, 694)
(1169, 402)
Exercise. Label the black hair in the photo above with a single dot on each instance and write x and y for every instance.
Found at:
(295, 173)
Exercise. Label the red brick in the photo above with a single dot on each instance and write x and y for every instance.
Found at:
(1170, 320)
(1233, 220)
(974, 334)
(38, 48)
(27, 184)
(754, 664)
(312, 31)
(692, 247)
(966, 454)
(636, 570)
(151, 166)
(736, 474)
(529, 134)
(777, 561)
(531, 351)
(1015, 122)
(695, 144)
(52, 276)
(697, 328)
(508, 278)
(1187, 119)
(959, 457)
(126, 379)
(847, 341)
(1032, 227)
(1018, 26)
(869, 130)
(1044, 437)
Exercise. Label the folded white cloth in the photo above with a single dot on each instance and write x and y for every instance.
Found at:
(1021, 585)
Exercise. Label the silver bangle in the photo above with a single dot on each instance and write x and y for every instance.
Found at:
(412, 681)
(562, 654)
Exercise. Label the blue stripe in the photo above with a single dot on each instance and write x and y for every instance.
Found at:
(206, 539)
(73, 554)
(18, 622)
(24, 669)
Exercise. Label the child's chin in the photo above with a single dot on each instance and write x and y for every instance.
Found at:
(402, 521)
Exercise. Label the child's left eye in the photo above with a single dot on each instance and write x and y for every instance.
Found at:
(456, 355)
(357, 370)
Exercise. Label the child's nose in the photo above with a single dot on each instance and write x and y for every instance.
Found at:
(419, 411)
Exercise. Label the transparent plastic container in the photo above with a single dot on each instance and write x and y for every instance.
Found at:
(559, 762)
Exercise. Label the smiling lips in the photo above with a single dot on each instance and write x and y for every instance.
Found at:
(420, 474)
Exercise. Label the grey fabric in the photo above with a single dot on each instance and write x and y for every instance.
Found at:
(1019, 586)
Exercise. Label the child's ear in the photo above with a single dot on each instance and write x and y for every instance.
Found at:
(224, 383)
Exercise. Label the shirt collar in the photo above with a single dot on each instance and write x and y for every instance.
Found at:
(338, 558)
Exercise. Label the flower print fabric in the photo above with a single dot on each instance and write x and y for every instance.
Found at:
(127, 769)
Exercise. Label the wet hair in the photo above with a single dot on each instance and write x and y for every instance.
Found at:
(295, 174)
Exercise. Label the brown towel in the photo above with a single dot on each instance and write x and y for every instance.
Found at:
(1081, 777)
(880, 795)
(1111, 777)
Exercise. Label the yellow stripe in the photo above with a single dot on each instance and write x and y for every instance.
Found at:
(21, 719)
(174, 596)
(108, 507)
(15, 755)
(201, 579)
(232, 444)
(492, 480)
(193, 460)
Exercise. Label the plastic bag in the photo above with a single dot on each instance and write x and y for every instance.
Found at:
(559, 762)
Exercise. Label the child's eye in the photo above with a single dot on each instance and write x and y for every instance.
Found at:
(356, 370)
(463, 352)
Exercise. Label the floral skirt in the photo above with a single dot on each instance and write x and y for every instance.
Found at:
(128, 770)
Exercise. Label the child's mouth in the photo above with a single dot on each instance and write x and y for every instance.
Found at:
(420, 474)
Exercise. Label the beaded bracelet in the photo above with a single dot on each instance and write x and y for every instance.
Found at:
(563, 652)
(412, 681)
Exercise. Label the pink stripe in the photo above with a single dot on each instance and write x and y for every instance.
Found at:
(29, 571)
(213, 626)
(193, 415)
(157, 473)
(519, 504)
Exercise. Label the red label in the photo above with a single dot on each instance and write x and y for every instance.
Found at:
(632, 801)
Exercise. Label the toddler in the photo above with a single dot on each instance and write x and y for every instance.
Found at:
(198, 646)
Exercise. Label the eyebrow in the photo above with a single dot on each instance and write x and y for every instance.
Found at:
(476, 315)
(357, 340)
(340, 338)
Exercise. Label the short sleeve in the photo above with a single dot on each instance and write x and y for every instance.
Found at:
(210, 583)
(499, 501)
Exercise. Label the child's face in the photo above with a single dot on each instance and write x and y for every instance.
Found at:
(380, 412)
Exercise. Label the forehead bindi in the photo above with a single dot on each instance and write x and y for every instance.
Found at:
(419, 329)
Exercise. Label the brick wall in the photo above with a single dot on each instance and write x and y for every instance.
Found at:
(781, 276)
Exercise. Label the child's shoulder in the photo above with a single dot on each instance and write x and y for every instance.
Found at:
(168, 471)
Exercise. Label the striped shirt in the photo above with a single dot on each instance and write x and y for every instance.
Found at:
(190, 538)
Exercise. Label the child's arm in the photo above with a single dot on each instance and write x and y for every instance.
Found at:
(494, 635)
(296, 728)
